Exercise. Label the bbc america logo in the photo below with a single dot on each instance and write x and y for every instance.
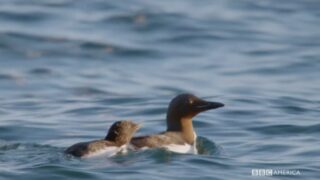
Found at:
(274, 172)
(261, 172)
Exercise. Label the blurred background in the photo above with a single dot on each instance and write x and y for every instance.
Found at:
(68, 69)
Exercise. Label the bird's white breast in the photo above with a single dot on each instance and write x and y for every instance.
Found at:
(183, 148)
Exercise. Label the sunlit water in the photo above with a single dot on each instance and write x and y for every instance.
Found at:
(69, 69)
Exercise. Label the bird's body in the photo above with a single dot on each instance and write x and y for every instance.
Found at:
(94, 148)
(115, 142)
(180, 136)
(172, 141)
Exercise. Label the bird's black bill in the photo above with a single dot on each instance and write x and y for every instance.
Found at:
(207, 105)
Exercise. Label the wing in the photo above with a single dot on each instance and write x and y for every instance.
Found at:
(157, 140)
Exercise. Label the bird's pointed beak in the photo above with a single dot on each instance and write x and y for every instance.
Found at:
(207, 105)
(137, 126)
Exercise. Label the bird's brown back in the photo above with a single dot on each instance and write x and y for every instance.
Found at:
(158, 140)
(85, 148)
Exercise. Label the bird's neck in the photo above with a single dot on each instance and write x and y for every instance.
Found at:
(183, 125)
(117, 139)
(187, 130)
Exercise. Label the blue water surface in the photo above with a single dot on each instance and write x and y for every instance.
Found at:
(69, 69)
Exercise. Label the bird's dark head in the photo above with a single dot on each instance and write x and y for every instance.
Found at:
(186, 106)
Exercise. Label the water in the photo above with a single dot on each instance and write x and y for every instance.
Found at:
(69, 69)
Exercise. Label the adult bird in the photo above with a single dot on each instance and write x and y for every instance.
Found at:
(180, 135)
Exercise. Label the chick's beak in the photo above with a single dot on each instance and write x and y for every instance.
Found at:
(137, 126)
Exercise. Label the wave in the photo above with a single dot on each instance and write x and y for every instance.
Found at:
(286, 129)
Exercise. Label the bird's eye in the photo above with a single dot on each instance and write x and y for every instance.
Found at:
(190, 101)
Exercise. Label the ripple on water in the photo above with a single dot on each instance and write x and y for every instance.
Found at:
(294, 105)
(117, 50)
(17, 78)
(41, 71)
(15, 154)
(27, 133)
(286, 129)
(90, 91)
(61, 171)
(207, 147)
(152, 111)
(78, 46)
(123, 100)
(24, 17)
(86, 111)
